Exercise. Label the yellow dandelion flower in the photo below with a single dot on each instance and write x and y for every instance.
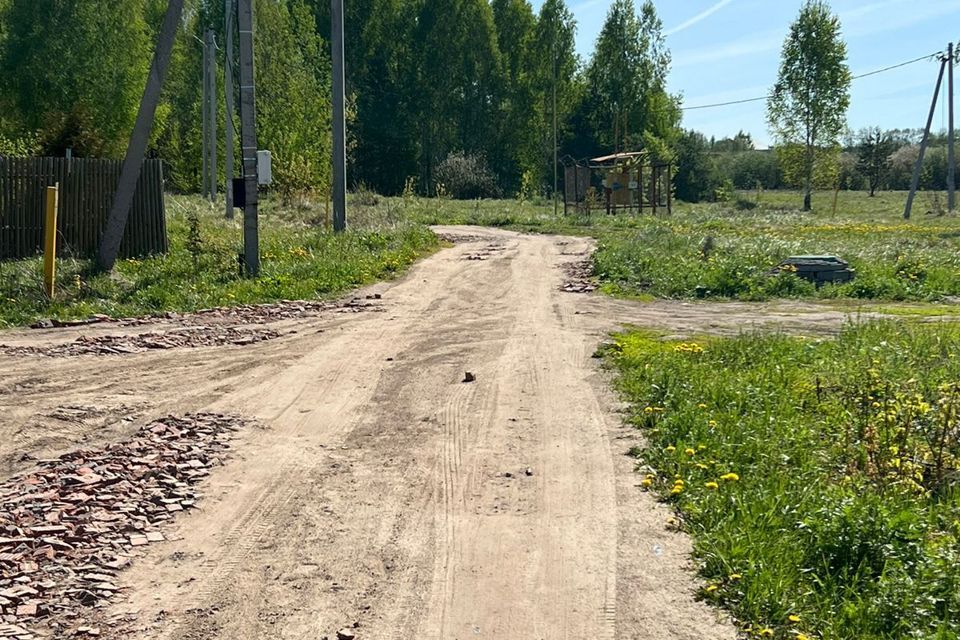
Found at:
(646, 482)
(793, 617)
(712, 424)
(730, 477)
(677, 489)
(711, 588)
(803, 636)
(734, 576)
(648, 410)
(701, 406)
(713, 486)
(766, 632)
(670, 449)
(689, 451)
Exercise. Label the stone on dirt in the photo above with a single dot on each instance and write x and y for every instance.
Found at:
(68, 526)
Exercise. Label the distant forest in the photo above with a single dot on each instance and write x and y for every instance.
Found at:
(454, 97)
(439, 91)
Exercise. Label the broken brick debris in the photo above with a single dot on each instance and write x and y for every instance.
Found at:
(176, 338)
(579, 277)
(240, 314)
(68, 526)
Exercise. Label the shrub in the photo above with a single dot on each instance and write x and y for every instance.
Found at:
(466, 176)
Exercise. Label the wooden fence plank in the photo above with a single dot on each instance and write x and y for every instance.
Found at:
(87, 187)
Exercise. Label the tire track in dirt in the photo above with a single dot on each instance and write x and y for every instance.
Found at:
(386, 492)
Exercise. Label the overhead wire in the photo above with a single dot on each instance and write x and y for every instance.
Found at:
(856, 77)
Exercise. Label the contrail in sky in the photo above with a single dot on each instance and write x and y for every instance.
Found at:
(700, 16)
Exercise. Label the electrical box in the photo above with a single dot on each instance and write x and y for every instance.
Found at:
(264, 168)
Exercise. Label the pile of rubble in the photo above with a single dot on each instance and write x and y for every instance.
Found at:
(68, 527)
(486, 252)
(460, 238)
(241, 314)
(579, 277)
(273, 312)
(199, 336)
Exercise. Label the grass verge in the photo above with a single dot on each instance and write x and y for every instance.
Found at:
(300, 260)
(895, 260)
(819, 479)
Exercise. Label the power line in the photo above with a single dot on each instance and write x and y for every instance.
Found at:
(857, 77)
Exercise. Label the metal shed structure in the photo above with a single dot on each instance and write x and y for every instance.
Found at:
(631, 181)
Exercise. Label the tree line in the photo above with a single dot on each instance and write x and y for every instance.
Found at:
(871, 160)
(463, 90)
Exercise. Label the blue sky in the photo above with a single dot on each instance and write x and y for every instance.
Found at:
(729, 49)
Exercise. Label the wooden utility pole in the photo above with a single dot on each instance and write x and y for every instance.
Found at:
(211, 106)
(339, 124)
(248, 140)
(228, 93)
(132, 163)
(951, 159)
(923, 143)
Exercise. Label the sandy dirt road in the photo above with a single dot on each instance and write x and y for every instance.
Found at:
(381, 492)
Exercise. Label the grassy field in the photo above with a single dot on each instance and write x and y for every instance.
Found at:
(300, 260)
(638, 256)
(895, 259)
(819, 479)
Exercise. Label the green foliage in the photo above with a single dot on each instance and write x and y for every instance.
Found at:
(75, 72)
(628, 105)
(661, 256)
(873, 156)
(293, 97)
(820, 479)
(467, 177)
(697, 176)
(808, 105)
(300, 260)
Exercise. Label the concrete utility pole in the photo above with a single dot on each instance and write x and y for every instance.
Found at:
(951, 159)
(204, 113)
(211, 106)
(228, 92)
(339, 124)
(555, 183)
(923, 143)
(248, 140)
(132, 163)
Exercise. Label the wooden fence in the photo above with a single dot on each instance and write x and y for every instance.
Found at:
(87, 188)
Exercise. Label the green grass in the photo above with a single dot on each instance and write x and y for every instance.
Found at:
(842, 516)
(895, 260)
(300, 260)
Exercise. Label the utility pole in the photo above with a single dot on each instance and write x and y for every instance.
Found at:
(339, 124)
(211, 106)
(204, 113)
(951, 159)
(132, 163)
(248, 140)
(228, 93)
(555, 121)
(923, 143)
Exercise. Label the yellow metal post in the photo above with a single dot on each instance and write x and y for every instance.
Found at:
(50, 240)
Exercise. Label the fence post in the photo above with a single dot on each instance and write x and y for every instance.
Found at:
(50, 240)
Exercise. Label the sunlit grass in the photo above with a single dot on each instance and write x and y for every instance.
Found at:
(820, 479)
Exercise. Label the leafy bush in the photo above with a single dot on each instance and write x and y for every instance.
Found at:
(466, 176)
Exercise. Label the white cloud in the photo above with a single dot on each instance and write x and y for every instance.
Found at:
(697, 18)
